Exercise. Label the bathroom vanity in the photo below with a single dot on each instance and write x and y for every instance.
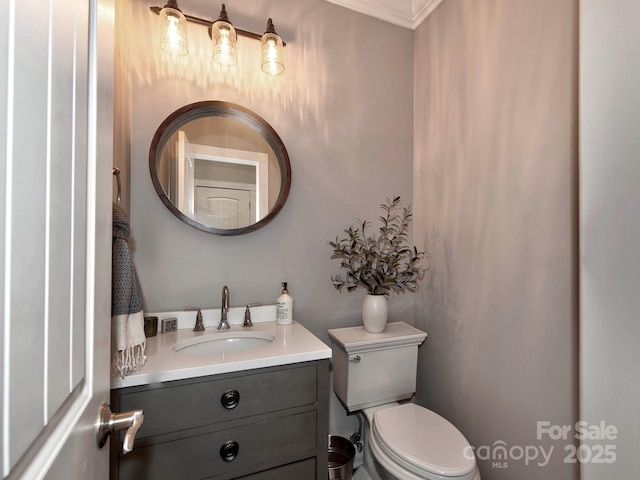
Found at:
(258, 414)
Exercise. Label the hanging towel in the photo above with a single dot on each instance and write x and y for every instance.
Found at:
(127, 319)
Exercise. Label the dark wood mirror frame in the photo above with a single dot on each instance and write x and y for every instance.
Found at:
(214, 108)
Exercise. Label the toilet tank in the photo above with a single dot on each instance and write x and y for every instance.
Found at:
(374, 368)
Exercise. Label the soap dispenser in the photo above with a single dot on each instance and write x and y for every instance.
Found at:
(284, 307)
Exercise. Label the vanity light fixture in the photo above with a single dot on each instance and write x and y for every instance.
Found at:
(272, 46)
(173, 29)
(173, 37)
(224, 38)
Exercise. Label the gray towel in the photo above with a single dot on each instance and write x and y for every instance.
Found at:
(127, 318)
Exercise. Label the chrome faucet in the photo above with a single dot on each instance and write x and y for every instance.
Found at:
(247, 315)
(224, 309)
(199, 326)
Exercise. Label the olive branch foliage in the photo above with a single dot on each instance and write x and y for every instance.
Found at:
(380, 264)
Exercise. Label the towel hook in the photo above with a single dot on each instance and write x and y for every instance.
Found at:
(116, 172)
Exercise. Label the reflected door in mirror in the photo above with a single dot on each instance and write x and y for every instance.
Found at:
(223, 208)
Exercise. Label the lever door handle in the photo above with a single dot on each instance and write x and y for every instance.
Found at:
(113, 422)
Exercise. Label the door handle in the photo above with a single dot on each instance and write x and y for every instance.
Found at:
(113, 422)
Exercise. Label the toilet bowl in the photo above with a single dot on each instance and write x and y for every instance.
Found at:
(409, 442)
(371, 374)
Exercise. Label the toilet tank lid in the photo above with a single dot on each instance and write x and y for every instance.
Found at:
(357, 339)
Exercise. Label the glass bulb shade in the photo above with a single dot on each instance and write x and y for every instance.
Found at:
(223, 36)
(272, 58)
(173, 31)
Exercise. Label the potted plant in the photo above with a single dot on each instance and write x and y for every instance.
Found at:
(381, 264)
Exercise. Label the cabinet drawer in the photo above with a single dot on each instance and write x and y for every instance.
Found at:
(305, 470)
(261, 446)
(199, 402)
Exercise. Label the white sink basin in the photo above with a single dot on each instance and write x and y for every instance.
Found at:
(225, 342)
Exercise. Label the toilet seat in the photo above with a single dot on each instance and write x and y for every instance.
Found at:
(423, 442)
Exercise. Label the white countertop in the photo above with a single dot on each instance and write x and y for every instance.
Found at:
(292, 344)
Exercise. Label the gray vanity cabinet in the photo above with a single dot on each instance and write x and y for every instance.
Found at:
(259, 424)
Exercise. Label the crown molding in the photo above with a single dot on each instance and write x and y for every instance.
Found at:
(422, 9)
(404, 13)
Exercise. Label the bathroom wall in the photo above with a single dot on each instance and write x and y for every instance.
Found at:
(610, 232)
(122, 102)
(344, 110)
(495, 192)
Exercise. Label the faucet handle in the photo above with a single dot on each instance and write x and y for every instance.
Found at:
(199, 326)
(247, 314)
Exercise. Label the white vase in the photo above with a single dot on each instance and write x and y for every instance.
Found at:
(375, 313)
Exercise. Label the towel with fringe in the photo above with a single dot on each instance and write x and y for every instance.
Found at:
(127, 319)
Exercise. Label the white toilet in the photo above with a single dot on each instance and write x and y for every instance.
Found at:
(372, 373)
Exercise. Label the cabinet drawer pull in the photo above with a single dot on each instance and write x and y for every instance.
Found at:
(229, 450)
(230, 399)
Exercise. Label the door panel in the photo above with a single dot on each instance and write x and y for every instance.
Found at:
(55, 234)
(62, 287)
(26, 192)
(224, 208)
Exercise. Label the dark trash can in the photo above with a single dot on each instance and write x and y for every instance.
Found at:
(341, 455)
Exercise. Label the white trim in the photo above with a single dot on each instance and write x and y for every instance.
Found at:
(249, 187)
(47, 222)
(404, 13)
(421, 12)
(92, 197)
(8, 221)
(74, 160)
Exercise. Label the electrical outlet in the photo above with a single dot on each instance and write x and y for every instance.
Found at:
(169, 324)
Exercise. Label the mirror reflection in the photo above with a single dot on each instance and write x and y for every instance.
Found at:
(220, 168)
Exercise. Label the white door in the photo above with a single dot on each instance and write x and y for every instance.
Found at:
(56, 139)
(223, 208)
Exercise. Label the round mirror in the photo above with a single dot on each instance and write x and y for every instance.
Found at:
(220, 168)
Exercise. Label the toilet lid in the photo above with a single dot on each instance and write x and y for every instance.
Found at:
(422, 441)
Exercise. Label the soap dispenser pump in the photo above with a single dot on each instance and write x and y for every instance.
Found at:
(284, 307)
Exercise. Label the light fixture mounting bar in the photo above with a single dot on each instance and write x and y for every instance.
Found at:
(208, 23)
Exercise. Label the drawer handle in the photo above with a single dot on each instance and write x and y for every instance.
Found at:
(230, 399)
(229, 450)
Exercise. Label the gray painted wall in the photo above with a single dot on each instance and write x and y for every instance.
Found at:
(610, 230)
(122, 101)
(494, 194)
(344, 110)
(495, 199)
